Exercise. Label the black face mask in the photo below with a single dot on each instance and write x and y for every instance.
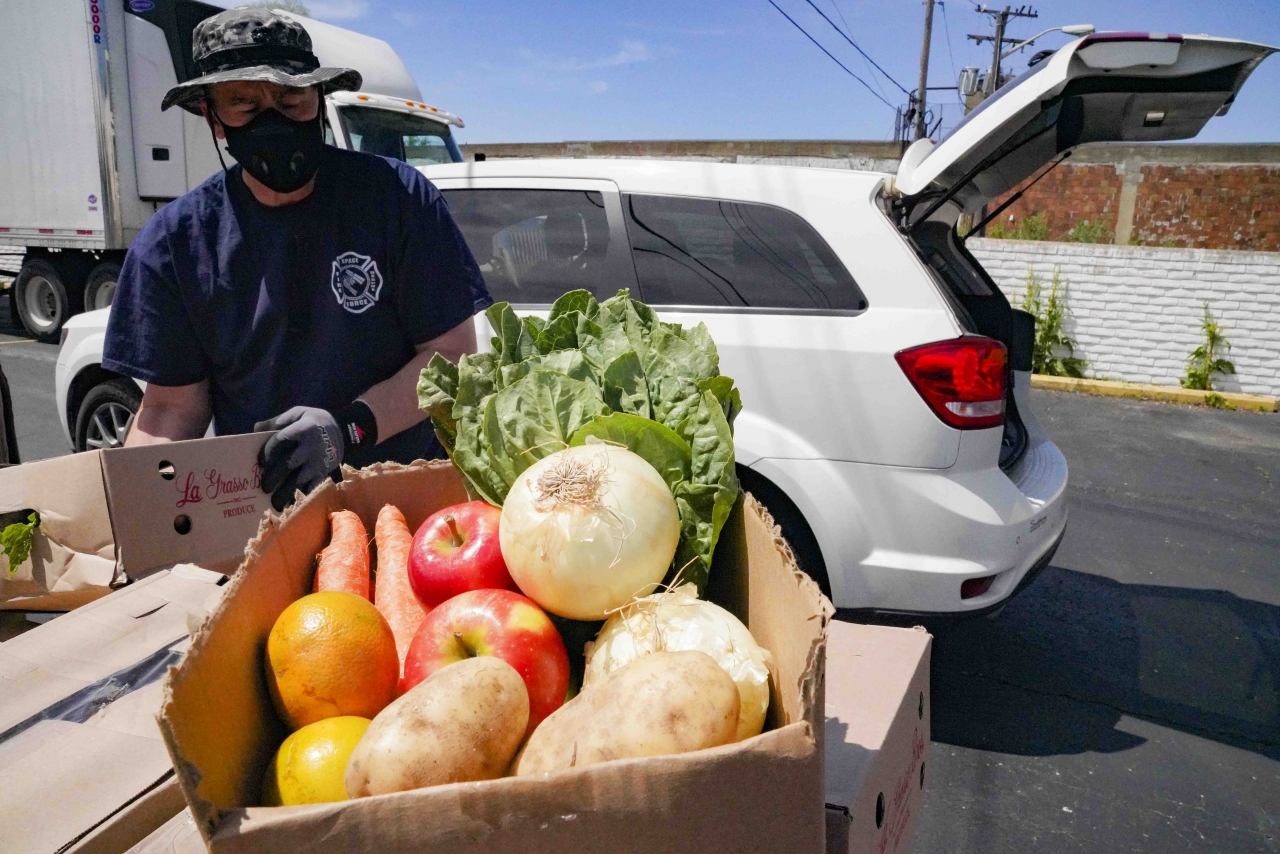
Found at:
(281, 153)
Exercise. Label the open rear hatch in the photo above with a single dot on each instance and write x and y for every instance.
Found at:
(1107, 87)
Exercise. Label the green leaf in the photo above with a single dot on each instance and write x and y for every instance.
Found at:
(535, 417)
(625, 388)
(437, 387)
(707, 499)
(567, 362)
(512, 341)
(558, 334)
(579, 301)
(659, 446)
(16, 542)
(475, 460)
(728, 396)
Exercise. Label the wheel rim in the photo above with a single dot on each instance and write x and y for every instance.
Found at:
(44, 309)
(108, 425)
(105, 294)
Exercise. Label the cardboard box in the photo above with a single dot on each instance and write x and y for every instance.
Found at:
(764, 794)
(877, 736)
(178, 835)
(109, 516)
(83, 767)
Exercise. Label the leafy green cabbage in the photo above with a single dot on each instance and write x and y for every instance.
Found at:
(608, 369)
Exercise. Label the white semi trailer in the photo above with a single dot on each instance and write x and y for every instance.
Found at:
(86, 155)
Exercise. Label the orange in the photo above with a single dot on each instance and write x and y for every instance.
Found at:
(331, 654)
(311, 765)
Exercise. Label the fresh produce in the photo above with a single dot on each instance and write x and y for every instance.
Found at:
(664, 703)
(392, 594)
(462, 723)
(310, 765)
(456, 550)
(678, 620)
(589, 528)
(344, 563)
(329, 654)
(606, 369)
(498, 623)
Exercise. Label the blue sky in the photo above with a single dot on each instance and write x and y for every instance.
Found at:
(553, 70)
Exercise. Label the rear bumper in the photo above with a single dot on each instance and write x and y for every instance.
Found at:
(908, 618)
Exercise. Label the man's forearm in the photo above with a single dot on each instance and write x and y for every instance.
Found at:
(170, 414)
(394, 401)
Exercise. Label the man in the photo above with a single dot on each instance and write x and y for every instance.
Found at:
(301, 290)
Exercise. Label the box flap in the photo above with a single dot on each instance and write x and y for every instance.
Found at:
(79, 746)
(185, 502)
(72, 552)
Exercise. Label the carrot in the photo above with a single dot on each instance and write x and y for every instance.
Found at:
(393, 595)
(344, 563)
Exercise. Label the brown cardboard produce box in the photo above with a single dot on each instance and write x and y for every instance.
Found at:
(109, 516)
(83, 767)
(877, 736)
(764, 794)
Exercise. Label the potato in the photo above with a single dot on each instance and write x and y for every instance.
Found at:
(667, 702)
(464, 722)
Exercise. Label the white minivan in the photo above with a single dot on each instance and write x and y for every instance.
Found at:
(884, 376)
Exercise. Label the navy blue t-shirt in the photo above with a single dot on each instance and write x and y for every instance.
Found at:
(308, 304)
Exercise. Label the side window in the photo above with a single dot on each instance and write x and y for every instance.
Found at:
(533, 245)
(707, 252)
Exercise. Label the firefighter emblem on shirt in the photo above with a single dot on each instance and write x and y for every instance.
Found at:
(356, 282)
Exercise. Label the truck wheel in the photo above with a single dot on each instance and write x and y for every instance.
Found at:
(106, 413)
(41, 296)
(804, 545)
(100, 287)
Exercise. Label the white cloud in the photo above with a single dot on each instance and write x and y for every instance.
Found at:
(595, 87)
(337, 10)
(628, 53)
(406, 19)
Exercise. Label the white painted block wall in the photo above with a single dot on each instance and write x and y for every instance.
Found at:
(1135, 311)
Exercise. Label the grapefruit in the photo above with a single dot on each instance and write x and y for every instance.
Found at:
(331, 654)
(310, 765)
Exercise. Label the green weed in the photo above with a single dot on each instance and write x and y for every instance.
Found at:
(1050, 312)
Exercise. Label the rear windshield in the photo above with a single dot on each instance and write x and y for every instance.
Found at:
(997, 95)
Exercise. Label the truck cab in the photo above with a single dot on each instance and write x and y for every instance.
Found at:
(90, 156)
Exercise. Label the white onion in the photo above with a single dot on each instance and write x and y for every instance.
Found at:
(678, 620)
(587, 529)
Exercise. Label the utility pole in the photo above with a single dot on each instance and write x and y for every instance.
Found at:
(998, 41)
(921, 127)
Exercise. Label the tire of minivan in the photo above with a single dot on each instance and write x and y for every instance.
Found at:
(43, 298)
(804, 545)
(100, 287)
(106, 414)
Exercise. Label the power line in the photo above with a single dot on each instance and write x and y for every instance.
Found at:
(855, 45)
(946, 28)
(865, 61)
(833, 59)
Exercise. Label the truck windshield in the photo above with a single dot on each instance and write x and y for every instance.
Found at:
(416, 140)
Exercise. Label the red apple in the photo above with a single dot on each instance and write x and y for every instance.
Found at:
(457, 550)
(500, 623)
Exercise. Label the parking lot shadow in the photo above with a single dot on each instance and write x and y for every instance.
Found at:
(1054, 672)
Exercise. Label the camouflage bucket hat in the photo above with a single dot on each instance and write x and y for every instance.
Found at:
(254, 44)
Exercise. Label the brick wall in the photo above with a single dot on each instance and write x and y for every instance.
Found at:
(1135, 311)
(1209, 206)
(1214, 207)
(1068, 195)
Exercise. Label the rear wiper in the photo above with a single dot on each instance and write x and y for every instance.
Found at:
(1007, 202)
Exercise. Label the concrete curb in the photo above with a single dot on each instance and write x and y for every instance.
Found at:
(1111, 388)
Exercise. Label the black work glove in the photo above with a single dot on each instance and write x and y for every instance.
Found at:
(309, 447)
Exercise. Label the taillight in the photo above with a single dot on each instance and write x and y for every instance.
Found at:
(971, 588)
(962, 380)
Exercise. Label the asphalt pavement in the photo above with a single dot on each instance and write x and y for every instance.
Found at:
(29, 365)
(1129, 699)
